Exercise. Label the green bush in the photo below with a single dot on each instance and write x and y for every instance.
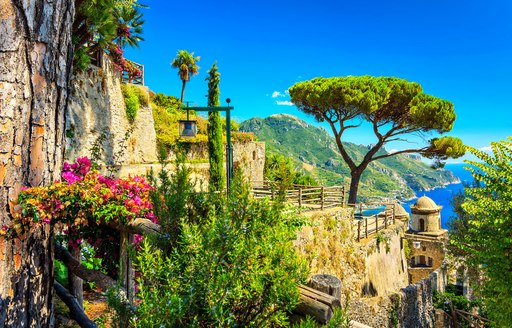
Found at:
(170, 103)
(281, 169)
(450, 300)
(141, 94)
(61, 272)
(339, 319)
(131, 101)
(233, 263)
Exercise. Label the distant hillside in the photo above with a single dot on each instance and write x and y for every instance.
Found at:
(313, 149)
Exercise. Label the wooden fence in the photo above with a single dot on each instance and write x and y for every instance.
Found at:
(366, 225)
(307, 198)
(139, 80)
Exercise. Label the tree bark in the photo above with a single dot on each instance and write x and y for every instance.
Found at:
(354, 185)
(184, 82)
(35, 66)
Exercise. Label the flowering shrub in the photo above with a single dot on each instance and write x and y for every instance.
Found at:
(122, 64)
(83, 200)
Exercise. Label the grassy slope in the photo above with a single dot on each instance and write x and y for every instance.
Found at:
(313, 149)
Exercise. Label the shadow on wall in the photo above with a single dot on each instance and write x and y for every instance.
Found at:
(369, 290)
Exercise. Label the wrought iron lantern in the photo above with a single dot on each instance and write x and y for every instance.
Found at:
(188, 128)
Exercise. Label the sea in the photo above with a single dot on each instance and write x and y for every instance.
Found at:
(443, 195)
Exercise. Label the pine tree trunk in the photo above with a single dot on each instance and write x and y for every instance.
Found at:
(354, 186)
(35, 64)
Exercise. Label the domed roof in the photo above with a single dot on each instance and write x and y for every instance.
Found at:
(425, 203)
(399, 210)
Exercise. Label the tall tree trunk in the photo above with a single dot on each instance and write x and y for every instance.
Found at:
(35, 64)
(354, 185)
(184, 82)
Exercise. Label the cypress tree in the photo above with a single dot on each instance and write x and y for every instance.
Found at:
(215, 148)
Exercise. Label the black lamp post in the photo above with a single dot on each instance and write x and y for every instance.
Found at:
(188, 128)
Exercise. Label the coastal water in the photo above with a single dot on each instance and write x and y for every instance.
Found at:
(443, 196)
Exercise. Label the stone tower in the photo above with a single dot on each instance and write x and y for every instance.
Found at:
(426, 218)
(426, 239)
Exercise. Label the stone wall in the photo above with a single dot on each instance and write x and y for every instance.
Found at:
(430, 249)
(96, 107)
(373, 267)
(412, 306)
(250, 156)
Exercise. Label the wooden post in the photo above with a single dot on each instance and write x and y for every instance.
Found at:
(316, 304)
(361, 209)
(75, 283)
(358, 230)
(386, 221)
(300, 199)
(394, 205)
(127, 275)
(366, 227)
(376, 223)
(342, 196)
(327, 284)
(322, 197)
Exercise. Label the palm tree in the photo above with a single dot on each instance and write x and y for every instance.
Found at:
(129, 26)
(185, 62)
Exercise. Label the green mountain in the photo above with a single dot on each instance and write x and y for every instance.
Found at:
(315, 151)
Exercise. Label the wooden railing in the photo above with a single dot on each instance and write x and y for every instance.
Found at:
(126, 78)
(366, 225)
(307, 198)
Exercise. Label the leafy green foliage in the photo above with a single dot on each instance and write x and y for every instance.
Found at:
(339, 319)
(233, 262)
(170, 103)
(280, 169)
(61, 272)
(105, 25)
(449, 300)
(215, 147)
(443, 148)
(131, 101)
(392, 106)
(487, 226)
(167, 118)
(134, 97)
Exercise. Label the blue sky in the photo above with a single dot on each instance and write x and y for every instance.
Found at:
(457, 50)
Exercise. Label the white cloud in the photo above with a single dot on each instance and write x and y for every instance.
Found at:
(276, 94)
(284, 103)
(487, 149)
(286, 92)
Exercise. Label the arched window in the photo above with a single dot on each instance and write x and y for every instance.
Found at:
(422, 225)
